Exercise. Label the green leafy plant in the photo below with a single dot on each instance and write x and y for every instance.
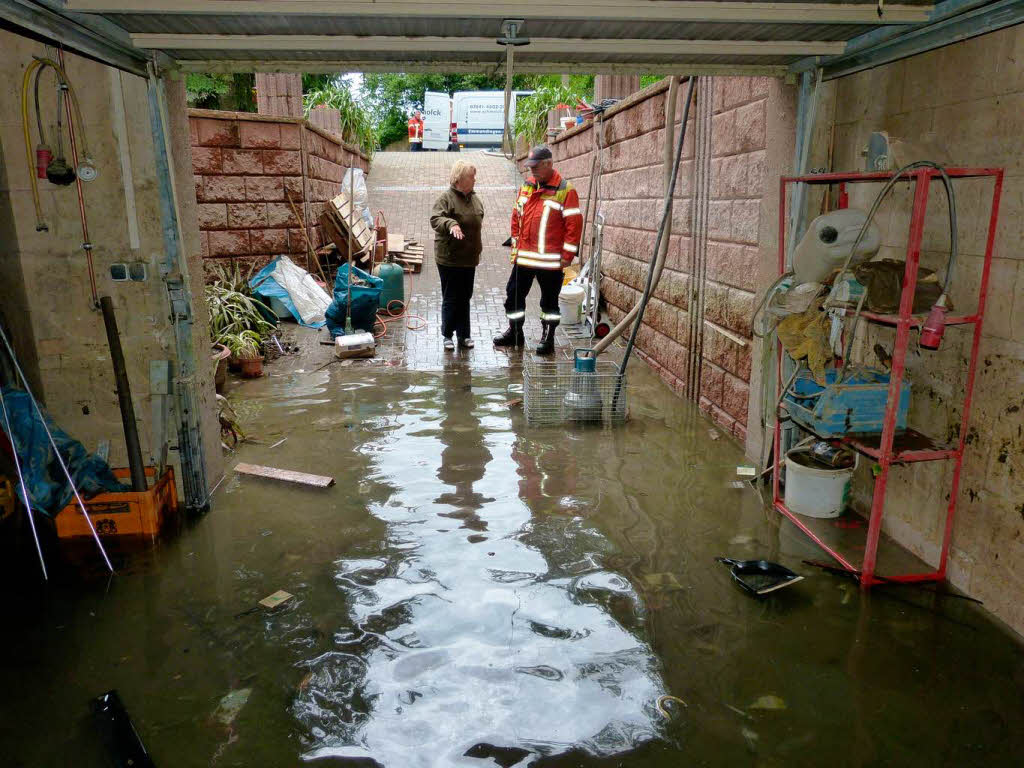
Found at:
(356, 123)
(234, 92)
(531, 123)
(245, 345)
(233, 312)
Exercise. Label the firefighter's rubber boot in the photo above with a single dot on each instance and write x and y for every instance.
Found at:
(547, 341)
(513, 336)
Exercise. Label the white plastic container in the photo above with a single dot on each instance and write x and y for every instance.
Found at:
(570, 304)
(813, 491)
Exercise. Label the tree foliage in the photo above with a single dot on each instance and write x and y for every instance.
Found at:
(332, 91)
(234, 92)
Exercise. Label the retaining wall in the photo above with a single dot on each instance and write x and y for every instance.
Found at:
(631, 192)
(245, 167)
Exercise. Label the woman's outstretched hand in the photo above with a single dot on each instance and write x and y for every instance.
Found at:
(457, 232)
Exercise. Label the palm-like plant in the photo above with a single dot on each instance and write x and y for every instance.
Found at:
(531, 121)
(356, 123)
(232, 313)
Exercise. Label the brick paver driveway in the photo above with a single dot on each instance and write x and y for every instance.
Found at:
(404, 185)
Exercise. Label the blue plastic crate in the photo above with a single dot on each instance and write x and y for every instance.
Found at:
(857, 406)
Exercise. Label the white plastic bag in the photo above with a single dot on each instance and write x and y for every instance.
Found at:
(362, 197)
(310, 300)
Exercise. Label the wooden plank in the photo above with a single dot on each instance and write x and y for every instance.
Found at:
(286, 475)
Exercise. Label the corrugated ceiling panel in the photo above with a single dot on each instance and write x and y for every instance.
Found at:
(392, 26)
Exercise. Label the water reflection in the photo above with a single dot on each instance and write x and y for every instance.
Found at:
(485, 632)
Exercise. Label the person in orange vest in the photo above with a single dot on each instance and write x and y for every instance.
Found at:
(547, 225)
(416, 132)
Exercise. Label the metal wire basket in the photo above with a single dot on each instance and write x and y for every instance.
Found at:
(556, 393)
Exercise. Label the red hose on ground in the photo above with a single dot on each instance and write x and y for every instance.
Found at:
(396, 310)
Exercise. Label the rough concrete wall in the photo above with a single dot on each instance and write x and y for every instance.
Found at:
(243, 165)
(971, 115)
(631, 201)
(61, 327)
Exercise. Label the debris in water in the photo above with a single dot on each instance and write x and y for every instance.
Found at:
(742, 539)
(743, 471)
(542, 671)
(751, 738)
(738, 484)
(515, 402)
(713, 434)
(229, 707)
(279, 442)
(768, 702)
(665, 580)
(117, 731)
(276, 600)
(665, 710)
(306, 681)
(284, 474)
(760, 577)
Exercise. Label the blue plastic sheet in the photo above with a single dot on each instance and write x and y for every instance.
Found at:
(48, 488)
(279, 279)
(365, 300)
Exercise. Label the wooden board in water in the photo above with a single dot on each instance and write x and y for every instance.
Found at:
(286, 475)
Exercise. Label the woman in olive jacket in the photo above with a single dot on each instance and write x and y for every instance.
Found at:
(457, 219)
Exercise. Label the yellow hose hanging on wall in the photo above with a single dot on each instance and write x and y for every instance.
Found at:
(25, 82)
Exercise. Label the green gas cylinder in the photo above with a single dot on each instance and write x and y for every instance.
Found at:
(394, 282)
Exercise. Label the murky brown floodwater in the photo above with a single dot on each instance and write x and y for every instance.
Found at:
(474, 592)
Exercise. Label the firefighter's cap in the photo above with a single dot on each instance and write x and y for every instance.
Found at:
(537, 155)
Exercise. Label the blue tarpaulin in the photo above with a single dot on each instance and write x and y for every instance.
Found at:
(295, 288)
(365, 300)
(48, 488)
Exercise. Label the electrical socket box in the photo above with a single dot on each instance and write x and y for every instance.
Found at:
(119, 272)
(137, 271)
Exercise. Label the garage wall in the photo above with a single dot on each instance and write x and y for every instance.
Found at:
(243, 164)
(44, 284)
(751, 136)
(961, 105)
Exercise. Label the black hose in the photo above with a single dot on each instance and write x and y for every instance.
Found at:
(666, 213)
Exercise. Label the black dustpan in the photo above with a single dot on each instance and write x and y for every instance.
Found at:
(759, 577)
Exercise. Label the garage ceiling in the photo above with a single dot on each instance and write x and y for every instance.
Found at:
(602, 36)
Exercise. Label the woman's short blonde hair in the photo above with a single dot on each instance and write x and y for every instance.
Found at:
(460, 169)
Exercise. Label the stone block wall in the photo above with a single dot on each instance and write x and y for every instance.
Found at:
(973, 115)
(246, 166)
(631, 197)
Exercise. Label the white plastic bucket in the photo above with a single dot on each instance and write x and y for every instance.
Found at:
(570, 304)
(813, 491)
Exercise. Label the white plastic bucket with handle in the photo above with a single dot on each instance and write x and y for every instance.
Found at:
(570, 304)
(814, 491)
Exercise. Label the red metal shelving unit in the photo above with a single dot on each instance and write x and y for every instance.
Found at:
(909, 446)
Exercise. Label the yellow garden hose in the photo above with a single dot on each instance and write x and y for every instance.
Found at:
(25, 83)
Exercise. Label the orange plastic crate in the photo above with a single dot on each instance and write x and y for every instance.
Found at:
(123, 514)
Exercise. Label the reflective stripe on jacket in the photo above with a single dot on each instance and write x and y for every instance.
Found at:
(415, 129)
(547, 224)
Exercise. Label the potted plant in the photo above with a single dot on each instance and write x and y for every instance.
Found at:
(232, 312)
(247, 348)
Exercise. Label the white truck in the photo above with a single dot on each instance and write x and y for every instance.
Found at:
(437, 121)
(479, 116)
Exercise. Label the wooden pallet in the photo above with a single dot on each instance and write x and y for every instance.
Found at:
(335, 220)
(408, 253)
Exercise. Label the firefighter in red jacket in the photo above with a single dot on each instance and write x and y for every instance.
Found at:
(416, 132)
(547, 225)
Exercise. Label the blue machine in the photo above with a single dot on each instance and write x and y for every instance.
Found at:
(857, 406)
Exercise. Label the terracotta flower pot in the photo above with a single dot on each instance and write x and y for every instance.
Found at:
(252, 367)
(220, 355)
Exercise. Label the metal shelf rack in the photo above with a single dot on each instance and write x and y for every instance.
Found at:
(890, 448)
